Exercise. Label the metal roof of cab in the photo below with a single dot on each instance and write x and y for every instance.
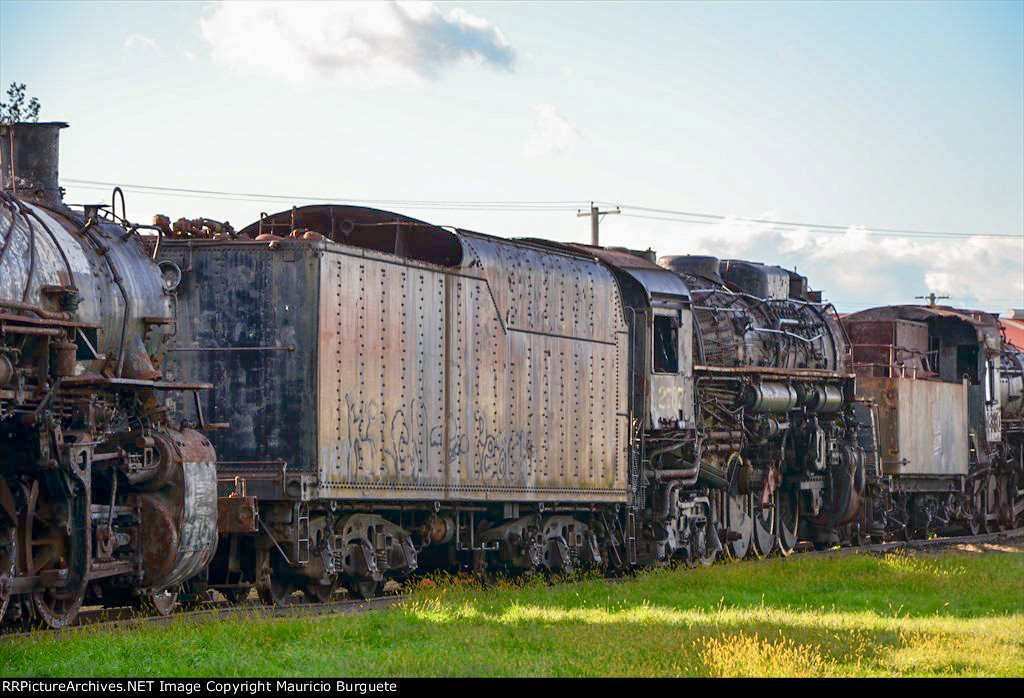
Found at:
(985, 324)
(656, 281)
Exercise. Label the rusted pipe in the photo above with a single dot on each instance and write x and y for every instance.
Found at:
(41, 312)
(34, 331)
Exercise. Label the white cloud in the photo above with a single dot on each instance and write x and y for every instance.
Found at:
(553, 134)
(854, 268)
(138, 41)
(355, 44)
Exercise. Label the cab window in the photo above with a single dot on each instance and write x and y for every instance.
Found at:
(666, 344)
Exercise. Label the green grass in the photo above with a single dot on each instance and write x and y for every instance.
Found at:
(947, 614)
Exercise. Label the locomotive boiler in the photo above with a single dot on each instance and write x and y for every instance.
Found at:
(103, 496)
(780, 437)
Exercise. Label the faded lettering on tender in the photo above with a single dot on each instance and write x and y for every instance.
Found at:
(398, 445)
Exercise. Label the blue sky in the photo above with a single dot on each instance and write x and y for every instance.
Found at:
(881, 115)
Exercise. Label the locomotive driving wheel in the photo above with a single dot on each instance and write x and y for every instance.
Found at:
(740, 524)
(8, 565)
(787, 519)
(714, 524)
(58, 554)
(763, 515)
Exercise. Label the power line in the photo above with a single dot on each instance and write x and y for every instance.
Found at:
(672, 215)
(714, 218)
(243, 196)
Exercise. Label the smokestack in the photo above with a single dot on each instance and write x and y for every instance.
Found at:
(28, 161)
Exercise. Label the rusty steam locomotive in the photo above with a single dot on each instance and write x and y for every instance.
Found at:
(102, 493)
(385, 396)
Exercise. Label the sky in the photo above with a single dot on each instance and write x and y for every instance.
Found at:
(824, 137)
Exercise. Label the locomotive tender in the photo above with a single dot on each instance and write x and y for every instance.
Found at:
(102, 493)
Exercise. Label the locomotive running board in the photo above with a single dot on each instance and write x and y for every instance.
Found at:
(770, 371)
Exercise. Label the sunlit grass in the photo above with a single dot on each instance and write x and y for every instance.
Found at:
(934, 615)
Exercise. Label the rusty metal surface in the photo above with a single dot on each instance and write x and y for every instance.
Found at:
(922, 425)
(29, 153)
(237, 301)
(368, 228)
(770, 371)
(655, 280)
(736, 328)
(179, 517)
(986, 325)
(45, 248)
(236, 514)
(504, 379)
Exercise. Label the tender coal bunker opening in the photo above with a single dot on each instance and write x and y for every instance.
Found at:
(370, 228)
(666, 344)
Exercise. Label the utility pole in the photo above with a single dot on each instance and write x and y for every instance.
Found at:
(595, 220)
(931, 298)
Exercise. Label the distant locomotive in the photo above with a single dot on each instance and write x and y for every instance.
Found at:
(949, 395)
(102, 495)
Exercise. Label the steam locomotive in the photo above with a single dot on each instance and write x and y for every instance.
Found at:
(335, 395)
(103, 495)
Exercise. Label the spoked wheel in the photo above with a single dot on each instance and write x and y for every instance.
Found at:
(764, 524)
(1004, 509)
(787, 519)
(8, 565)
(54, 555)
(740, 524)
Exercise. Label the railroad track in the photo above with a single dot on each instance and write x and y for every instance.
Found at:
(114, 618)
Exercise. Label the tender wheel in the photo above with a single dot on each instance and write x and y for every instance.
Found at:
(366, 588)
(787, 519)
(55, 555)
(235, 595)
(318, 593)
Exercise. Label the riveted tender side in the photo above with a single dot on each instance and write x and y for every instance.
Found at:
(402, 396)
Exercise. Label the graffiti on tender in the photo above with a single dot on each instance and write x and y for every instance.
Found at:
(458, 444)
(378, 445)
(502, 457)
